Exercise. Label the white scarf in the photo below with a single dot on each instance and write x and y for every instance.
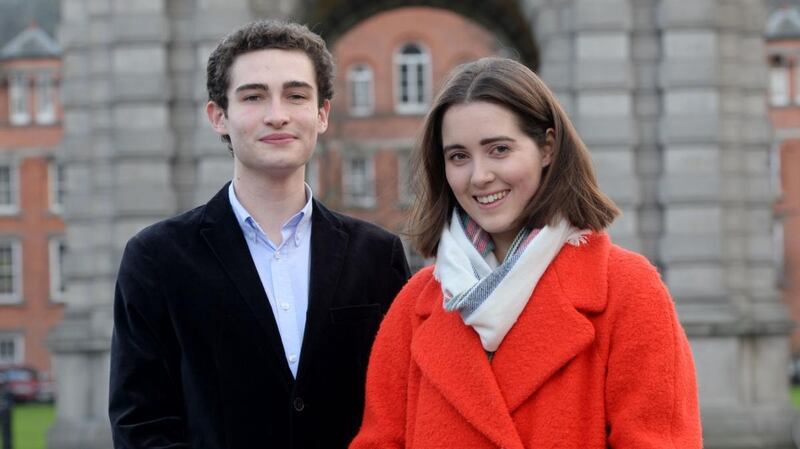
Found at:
(489, 296)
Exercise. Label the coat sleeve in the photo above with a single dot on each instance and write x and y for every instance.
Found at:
(145, 401)
(651, 391)
(385, 412)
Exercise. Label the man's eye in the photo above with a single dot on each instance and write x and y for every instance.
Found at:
(252, 98)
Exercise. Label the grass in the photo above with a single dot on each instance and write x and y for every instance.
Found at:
(29, 425)
(796, 396)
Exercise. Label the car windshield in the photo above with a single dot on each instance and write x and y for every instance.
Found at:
(18, 375)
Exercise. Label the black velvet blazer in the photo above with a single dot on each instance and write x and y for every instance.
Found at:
(196, 357)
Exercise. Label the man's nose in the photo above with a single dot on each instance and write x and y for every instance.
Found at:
(276, 114)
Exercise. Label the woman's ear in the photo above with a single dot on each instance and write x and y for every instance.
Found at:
(548, 147)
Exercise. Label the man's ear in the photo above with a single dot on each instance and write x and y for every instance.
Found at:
(548, 147)
(324, 111)
(216, 116)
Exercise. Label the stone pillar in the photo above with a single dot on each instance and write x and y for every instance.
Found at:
(604, 105)
(717, 240)
(117, 148)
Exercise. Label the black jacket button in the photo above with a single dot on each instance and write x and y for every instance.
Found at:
(299, 405)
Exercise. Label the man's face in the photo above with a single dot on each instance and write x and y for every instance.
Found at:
(273, 117)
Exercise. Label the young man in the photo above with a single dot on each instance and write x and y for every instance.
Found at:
(248, 321)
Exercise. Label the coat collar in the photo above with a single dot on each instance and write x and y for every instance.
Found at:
(551, 331)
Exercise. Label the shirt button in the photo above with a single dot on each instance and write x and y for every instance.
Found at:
(293, 358)
(277, 255)
(285, 306)
(299, 405)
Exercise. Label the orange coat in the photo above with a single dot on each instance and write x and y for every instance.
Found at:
(597, 359)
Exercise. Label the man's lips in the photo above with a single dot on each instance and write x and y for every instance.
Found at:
(278, 138)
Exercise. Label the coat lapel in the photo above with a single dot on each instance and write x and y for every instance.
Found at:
(553, 328)
(224, 236)
(450, 356)
(328, 249)
(550, 332)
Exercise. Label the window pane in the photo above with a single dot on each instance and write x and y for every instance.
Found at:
(45, 104)
(18, 100)
(411, 49)
(6, 269)
(6, 195)
(779, 86)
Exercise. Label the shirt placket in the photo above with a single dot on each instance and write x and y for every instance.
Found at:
(285, 304)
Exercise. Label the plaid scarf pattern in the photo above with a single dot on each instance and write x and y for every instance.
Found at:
(489, 296)
(466, 302)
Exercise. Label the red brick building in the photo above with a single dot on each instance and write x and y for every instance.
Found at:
(389, 68)
(31, 192)
(783, 53)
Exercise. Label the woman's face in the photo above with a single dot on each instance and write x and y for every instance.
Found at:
(492, 167)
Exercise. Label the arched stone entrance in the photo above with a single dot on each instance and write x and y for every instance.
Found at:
(332, 18)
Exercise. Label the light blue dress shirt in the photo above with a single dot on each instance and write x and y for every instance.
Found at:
(283, 271)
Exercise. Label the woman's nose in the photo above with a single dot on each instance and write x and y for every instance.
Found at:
(482, 173)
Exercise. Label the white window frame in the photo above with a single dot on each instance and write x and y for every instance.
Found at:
(361, 90)
(56, 266)
(56, 179)
(779, 89)
(18, 341)
(359, 189)
(19, 107)
(15, 296)
(412, 62)
(11, 208)
(45, 98)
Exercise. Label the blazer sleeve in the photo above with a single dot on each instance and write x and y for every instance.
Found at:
(651, 391)
(400, 266)
(145, 402)
(384, 423)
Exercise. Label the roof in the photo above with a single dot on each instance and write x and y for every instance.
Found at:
(32, 42)
(783, 21)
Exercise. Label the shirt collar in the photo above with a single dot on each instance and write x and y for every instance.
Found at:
(299, 224)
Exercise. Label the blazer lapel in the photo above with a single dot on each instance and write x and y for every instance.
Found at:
(328, 249)
(224, 236)
(552, 329)
(450, 356)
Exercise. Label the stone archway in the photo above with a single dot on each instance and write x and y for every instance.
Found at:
(331, 18)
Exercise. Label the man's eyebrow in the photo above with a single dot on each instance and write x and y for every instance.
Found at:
(252, 86)
(296, 84)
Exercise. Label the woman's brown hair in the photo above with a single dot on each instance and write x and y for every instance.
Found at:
(568, 188)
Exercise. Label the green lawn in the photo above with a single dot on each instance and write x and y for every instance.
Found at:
(30, 423)
(796, 396)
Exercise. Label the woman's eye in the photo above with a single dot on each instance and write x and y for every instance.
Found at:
(457, 156)
(501, 149)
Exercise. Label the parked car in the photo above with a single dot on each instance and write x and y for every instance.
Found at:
(22, 381)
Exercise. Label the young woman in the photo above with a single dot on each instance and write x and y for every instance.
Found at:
(532, 330)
